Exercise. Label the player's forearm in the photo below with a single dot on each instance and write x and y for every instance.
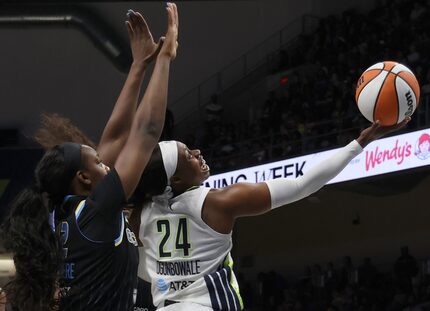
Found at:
(118, 127)
(284, 191)
(146, 129)
(152, 110)
(125, 108)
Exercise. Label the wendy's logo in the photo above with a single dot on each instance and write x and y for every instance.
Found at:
(422, 147)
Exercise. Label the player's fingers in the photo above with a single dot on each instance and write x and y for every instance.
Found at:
(129, 29)
(170, 18)
(176, 16)
(131, 16)
(376, 125)
(403, 123)
(143, 25)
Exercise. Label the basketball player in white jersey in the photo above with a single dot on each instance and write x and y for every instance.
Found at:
(186, 229)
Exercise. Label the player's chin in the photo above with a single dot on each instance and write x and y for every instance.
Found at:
(206, 174)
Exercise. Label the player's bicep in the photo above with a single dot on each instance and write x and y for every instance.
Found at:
(244, 199)
(109, 151)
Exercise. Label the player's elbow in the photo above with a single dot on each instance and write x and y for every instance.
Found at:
(150, 129)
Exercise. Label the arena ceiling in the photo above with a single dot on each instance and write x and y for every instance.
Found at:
(58, 67)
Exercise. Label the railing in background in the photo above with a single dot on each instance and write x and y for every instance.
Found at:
(191, 103)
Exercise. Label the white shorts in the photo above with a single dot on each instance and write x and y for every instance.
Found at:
(185, 306)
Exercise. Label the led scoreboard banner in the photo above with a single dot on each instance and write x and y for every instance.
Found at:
(386, 155)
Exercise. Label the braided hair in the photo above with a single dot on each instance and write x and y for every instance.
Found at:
(28, 234)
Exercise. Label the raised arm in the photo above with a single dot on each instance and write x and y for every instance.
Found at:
(149, 119)
(223, 206)
(144, 50)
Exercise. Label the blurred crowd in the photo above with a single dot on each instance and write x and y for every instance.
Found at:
(314, 109)
(404, 286)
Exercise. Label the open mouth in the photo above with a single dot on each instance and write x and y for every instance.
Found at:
(204, 166)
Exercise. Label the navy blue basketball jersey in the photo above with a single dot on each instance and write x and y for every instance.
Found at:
(100, 251)
(144, 297)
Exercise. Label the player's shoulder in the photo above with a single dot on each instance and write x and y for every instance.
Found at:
(73, 199)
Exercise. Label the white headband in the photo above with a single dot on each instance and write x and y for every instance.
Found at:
(169, 152)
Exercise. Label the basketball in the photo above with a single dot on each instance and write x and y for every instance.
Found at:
(388, 92)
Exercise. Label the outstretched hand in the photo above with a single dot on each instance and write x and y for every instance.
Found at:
(143, 47)
(171, 40)
(376, 131)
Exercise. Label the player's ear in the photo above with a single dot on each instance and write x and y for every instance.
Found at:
(83, 178)
(175, 180)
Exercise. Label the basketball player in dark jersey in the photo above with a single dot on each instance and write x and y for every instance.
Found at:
(94, 262)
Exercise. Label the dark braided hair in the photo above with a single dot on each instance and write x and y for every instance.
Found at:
(28, 235)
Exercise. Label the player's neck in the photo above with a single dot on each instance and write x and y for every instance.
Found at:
(177, 192)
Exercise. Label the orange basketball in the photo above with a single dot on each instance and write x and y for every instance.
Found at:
(388, 92)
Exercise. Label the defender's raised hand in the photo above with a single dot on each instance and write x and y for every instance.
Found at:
(171, 40)
(143, 47)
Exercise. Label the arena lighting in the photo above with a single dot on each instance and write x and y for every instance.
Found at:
(387, 155)
(284, 80)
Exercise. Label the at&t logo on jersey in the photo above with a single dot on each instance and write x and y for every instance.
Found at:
(162, 286)
(180, 285)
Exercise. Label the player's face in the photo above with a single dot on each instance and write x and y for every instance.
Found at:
(93, 165)
(192, 168)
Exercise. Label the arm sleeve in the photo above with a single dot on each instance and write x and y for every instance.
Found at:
(284, 191)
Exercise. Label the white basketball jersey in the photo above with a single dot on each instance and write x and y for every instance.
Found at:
(184, 259)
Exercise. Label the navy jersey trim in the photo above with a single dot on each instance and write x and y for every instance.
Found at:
(229, 293)
(216, 305)
(223, 297)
